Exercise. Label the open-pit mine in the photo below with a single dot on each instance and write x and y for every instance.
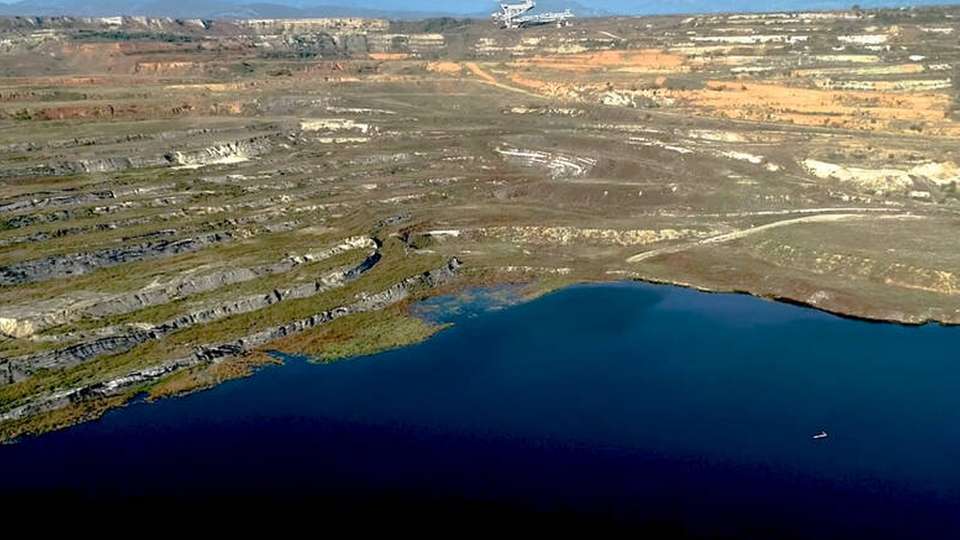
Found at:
(179, 198)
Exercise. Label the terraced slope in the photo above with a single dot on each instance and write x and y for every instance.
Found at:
(178, 197)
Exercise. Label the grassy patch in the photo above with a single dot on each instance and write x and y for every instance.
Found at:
(10, 347)
(204, 377)
(262, 286)
(394, 267)
(119, 35)
(360, 335)
(61, 418)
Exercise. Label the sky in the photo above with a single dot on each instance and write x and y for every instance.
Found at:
(634, 7)
(622, 6)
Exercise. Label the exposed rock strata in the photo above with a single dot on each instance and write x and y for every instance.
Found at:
(213, 353)
(22, 367)
(59, 266)
(22, 321)
(228, 152)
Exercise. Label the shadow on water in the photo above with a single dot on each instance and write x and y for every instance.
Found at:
(631, 405)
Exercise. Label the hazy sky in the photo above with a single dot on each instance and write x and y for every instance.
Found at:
(624, 6)
(473, 6)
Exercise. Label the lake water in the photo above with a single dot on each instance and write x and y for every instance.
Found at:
(631, 404)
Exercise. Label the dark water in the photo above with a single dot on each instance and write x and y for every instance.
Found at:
(628, 404)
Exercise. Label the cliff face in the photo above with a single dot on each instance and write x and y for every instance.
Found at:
(126, 338)
(309, 26)
(86, 41)
(27, 23)
(75, 264)
(205, 354)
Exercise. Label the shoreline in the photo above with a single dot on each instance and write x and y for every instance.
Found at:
(250, 363)
(798, 303)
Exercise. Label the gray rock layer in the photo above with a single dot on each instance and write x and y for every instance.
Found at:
(213, 353)
(22, 368)
(59, 266)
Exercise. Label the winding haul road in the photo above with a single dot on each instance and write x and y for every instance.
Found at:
(866, 213)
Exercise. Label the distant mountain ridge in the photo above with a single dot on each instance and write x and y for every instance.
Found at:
(207, 9)
(414, 9)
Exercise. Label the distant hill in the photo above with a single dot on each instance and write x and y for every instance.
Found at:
(657, 7)
(414, 9)
(207, 9)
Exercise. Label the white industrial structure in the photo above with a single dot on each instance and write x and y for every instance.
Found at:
(519, 16)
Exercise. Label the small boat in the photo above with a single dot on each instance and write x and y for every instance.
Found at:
(821, 435)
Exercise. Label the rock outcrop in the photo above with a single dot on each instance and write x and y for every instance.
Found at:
(24, 320)
(60, 266)
(224, 153)
(212, 353)
(23, 367)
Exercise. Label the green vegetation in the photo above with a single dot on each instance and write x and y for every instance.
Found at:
(360, 334)
(208, 376)
(394, 268)
(431, 25)
(120, 35)
(61, 418)
(265, 285)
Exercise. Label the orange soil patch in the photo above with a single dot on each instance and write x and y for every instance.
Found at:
(639, 60)
(479, 72)
(116, 57)
(228, 107)
(849, 109)
(892, 86)
(527, 82)
(92, 51)
(861, 110)
(211, 87)
(487, 78)
(389, 56)
(449, 68)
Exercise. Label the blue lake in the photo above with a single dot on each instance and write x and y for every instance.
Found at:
(625, 403)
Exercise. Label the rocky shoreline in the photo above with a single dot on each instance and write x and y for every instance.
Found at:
(213, 353)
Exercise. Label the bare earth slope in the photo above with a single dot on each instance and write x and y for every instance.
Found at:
(179, 196)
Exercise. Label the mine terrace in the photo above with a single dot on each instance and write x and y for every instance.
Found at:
(179, 196)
